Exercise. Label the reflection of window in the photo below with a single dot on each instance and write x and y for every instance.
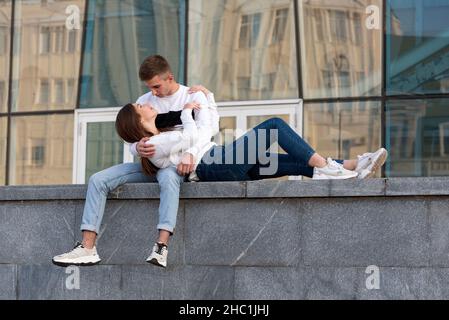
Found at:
(357, 31)
(338, 25)
(45, 40)
(215, 31)
(58, 39)
(3, 40)
(228, 125)
(44, 92)
(444, 139)
(59, 91)
(38, 155)
(2, 94)
(319, 28)
(328, 79)
(71, 41)
(249, 30)
(344, 79)
(243, 84)
(280, 22)
(70, 90)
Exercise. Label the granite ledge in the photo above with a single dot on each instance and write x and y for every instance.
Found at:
(240, 190)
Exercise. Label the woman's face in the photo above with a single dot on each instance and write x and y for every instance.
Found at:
(146, 112)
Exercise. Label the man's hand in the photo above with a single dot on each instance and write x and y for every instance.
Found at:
(200, 88)
(187, 164)
(145, 150)
(193, 106)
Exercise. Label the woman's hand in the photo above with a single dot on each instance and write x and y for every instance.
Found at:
(192, 106)
(199, 88)
(187, 165)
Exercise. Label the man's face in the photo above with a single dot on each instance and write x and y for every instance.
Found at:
(161, 85)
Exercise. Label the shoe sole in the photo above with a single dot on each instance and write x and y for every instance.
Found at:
(77, 264)
(156, 263)
(380, 161)
(326, 177)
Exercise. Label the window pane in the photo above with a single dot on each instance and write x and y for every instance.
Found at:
(3, 132)
(341, 56)
(5, 30)
(121, 34)
(243, 50)
(254, 121)
(418, 138)
(417, 47)
(228, 127)
(41, 150)
(104, 147)
(343, 130)
(39, 56)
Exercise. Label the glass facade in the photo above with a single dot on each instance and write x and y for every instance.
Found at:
(78, 57)
(41, 150)
(243, 50)
(3, 136)
(417, 47)
(343, 130)
(47, 54)
(5, 39)
(119, 36)
(418, 137)
(104, 147)
(341, 57)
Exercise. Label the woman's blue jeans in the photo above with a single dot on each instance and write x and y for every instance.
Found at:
(248, 158)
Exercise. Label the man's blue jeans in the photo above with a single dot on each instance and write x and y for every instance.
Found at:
(234, 160)
(101, 183)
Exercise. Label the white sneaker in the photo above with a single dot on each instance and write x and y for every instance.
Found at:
(333, 170)
(369, 163)
(79, 256)
(158, 256)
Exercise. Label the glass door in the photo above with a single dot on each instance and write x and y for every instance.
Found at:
(97, 145)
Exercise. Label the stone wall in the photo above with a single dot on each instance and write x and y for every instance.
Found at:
(255, 240)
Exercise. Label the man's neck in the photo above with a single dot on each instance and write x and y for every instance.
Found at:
(175, 89)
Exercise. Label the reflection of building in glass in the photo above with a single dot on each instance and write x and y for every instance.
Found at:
(343, 130)
(5, 27)
(43, 149)
(249, 53)
(418, 137)
(341, 56)
(46, 63)
(121, 35)
(243, 50)
(419, 52)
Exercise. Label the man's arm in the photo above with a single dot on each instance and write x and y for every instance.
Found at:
(203, 122)
(171, 119)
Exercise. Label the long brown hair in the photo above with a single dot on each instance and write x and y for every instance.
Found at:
(130, 129)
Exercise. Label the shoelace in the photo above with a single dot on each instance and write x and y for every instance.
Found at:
(333, 164)
(160, 247)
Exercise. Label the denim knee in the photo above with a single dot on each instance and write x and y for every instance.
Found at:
(169, 178)
(98, 181)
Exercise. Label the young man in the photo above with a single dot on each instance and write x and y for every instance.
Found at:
(166, 96)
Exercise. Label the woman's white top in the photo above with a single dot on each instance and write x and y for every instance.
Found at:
(194, 138)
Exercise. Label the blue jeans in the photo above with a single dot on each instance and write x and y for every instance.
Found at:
(103, 182)
(215, 165)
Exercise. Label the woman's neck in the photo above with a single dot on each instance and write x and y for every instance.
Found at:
(150, 127)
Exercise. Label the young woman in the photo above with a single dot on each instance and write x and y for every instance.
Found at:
(247, 158)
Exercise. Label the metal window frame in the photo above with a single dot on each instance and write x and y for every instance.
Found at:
(82, 118)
